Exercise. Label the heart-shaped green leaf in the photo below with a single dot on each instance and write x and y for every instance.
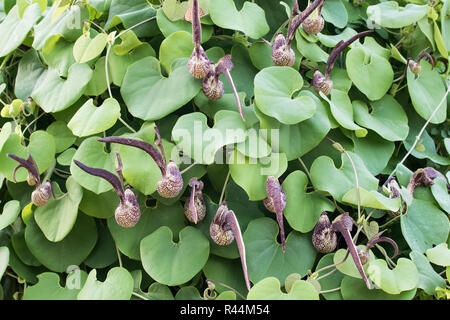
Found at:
(68, 25)
(334, 11)
(427, 92)
(174, 263)
(387, 118)
(14, 29)
(21, 249)
(144, 82)
(342, 110)
(439, 255)
(87, 48)
(90, 119)
(424, 225)
(30, 73)
(251, 174)
(192, 134)
(303, 209)
(348, 267)
(429, 279)
(310, 50)
(326, 177)
(58, 217)
(117, 286)
(265, 257)
(250, 19)
(372, 74)
(72, 250)
(128, 240)
(270, 289)
(177, 45)
(58, 54)
(55, 94)
(274, 88)
(356, 289)
(389, 15)
(11, 211)
(48, 287)
(104, 253)
(62, 135)
(403, 277)
(100, 205)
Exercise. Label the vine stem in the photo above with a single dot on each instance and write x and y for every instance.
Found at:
(224, 187)
(334, 264)
(419, 135)
(331, 290)
(341, 149)
(126, 125)
(327, 274)
(139, 296)
(228, 287)
(32, 122)
(306, 170)
(119, 257)
(189, 167)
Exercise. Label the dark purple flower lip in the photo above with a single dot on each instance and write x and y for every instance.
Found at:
(378, 238)
(425, 177)
(29, 164)
(104, 174)
(226, 220)
(344, 224)
(158, 156)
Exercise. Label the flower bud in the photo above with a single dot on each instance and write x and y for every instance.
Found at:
(414, 66)
(282, 53)
(324, 239)
(220, 230)
(212, 86)
(128, 212)
(313, 25)
(41, 195)
(363, 256)
(321, 83)
(195, 208)
(171, 183)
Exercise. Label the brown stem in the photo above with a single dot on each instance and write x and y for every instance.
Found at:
(424, 54)
(300, 18)
(339, 48)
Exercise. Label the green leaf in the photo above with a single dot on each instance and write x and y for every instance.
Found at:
(177, 45)
(174, 263)
(92, 154)
(175, 10)
(372, 199)
(128, 240)
(251, 174)
(274, 88)
(67, 25)
(13, 29)
(326, 177)
(203, 148)
(342, 110)
(11, 211)
(372, 74)
(334, 11)
(426, 92)
(41, 148)
(100, 205)
(54, 94)
(144, 82)
(440, 194)
(348, 267)
(4, 260)
(58, 54)
(62, 136)
(303, 209)
(72, 250)
(355, 289)
(97, 85)
(439, 255)
(310, 50)
(130, 13)
(389, 15)
(90, 119)
(87, 48)
(265, 257)
(387, 118)
(269, 289)
(403, 277)
(331, 281)
(424, 225)
(21, 249)
(48, 287)
(129, 42)
(117, 286)
(250, 19)
(429, 279)
(30, 73)
(57, 218)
